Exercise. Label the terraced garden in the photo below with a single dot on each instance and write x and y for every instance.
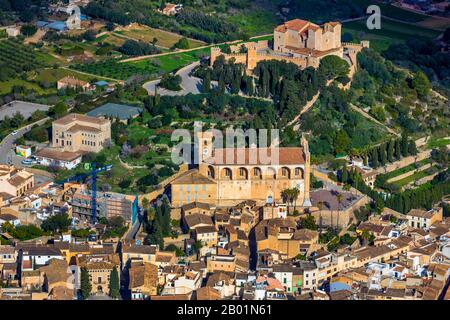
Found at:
(436, 143)
(417, 176)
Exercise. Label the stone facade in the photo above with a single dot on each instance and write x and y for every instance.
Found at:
(14, 182)
(77, 132)
(298, 41)
(221, 181)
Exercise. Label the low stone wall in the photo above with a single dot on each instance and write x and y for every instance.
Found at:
(409, 173)
(405, 162)
(330, 217)
(40, 172)
(178, 241)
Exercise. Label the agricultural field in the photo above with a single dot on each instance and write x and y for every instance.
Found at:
(256, 22)
(147, 34)
(168, 63)
(390, 32)
(7, 86)
(19, 57)
(51, 76)
(116, 70)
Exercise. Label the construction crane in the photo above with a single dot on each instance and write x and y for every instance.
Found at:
(93, 173)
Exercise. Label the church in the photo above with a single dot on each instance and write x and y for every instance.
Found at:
(221, 181)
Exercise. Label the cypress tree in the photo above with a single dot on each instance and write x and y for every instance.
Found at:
(404, 145)
(344, 177)
(390, 151)
(207, 82)
(375, 158)
(222, 86)
(383, 157)
(250, 86)
(398, 153)
(412, 148)
(85, 284)
(114, 285)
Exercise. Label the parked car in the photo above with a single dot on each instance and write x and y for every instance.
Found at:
(27, 162)
(15, 132)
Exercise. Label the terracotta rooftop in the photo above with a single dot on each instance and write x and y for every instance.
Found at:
(198, 219)
(207, 293)
(78, 127)
(57, 154)
(72, 117)
(193, 177)
(296, 25)
(251, 156)
(421, 213)
(205, 229)
(73, 81)
(196, 204)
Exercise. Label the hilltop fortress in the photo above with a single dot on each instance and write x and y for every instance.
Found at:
(298, 41)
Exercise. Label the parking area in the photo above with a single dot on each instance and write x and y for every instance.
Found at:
(25, 108)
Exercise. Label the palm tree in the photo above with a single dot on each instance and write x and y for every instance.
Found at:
(365, 235)
(294, 193)
(287, 195)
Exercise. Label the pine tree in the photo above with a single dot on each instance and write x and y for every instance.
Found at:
(114, 285)
(85, 284)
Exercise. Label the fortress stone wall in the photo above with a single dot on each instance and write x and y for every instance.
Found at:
(298, 41)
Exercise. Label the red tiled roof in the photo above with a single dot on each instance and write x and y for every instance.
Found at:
(286, 156)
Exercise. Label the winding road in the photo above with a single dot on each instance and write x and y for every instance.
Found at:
(6, 145)
(188, 84)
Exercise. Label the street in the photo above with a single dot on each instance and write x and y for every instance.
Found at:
(189, 84)
(7, 153)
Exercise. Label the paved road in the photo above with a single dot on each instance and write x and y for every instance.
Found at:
(188, 84)
(6, 146)
(24, 108)
(131, 234)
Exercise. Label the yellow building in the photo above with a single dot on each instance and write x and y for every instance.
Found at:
(222, 181)
(15, 181)
(76, 132)
(418, 218)
(282, 235)
(225, 263)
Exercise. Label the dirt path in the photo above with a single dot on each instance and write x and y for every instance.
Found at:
(93, 75)
(184, 50)
(368, 116)
(36, 37)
